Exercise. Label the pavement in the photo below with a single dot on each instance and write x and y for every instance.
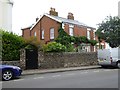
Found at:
(42, 71)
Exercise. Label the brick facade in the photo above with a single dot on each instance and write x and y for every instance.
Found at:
(46, 23)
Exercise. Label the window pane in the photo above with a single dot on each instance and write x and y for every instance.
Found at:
(71, 31)
(52, 33)
(88, 34)
(42, 34)
(35, 34)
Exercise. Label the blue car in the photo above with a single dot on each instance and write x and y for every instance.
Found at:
(8, 72)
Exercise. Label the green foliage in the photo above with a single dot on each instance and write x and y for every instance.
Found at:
(83, 39)
(32, 43)
(63, 37)
(70, 48)
(54, 47)
(93, 42)
(29, 46)
(66, 40)
(11, 45)
(109, 30)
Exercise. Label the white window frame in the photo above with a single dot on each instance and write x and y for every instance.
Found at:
(88, 33)
(52, 33)
(71, 31)
(42, 33)
(63, 25)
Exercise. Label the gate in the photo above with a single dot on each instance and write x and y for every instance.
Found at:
(31, 58)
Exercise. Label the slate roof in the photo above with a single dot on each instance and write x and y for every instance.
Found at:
(63, 20)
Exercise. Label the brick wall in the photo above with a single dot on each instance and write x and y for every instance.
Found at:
(26, 33)
(45, 24)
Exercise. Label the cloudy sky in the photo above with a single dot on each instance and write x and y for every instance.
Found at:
(90, 12)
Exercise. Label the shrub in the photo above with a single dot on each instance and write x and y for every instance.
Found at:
(11, 45)
(70, 48)
(54, 47)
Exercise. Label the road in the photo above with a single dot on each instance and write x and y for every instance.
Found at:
(93, 78)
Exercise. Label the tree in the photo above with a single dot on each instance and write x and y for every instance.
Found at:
(109, 30)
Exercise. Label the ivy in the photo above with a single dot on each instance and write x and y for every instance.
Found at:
(66, 40)
(93, 42)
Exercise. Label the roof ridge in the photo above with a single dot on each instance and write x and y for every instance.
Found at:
(62, 20)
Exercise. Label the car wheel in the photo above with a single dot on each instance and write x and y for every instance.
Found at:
(7, 75)
(118, 64)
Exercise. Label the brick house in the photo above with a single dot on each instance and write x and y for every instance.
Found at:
(46, 28)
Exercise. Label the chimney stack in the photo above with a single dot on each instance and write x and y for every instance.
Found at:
(53, 12)
(70, 16)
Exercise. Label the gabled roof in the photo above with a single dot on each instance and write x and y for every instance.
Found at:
(62, 20)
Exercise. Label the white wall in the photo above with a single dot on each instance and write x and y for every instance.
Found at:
(6, 14)
(119, 8)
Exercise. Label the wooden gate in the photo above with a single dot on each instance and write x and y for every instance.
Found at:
(31, 58)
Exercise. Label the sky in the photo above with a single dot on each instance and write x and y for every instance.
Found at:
(90, 12)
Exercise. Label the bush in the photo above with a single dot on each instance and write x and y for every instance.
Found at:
(54, 47)
(70, 48)
(11, 45)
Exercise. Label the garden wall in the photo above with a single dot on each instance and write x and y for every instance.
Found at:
(58, 60)
(15, 63)
(72, 59)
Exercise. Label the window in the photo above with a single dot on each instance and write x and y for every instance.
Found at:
(52, 33)
(63, 25)
(42, 34)
(71, 31)
(35, 34)
(88, 33)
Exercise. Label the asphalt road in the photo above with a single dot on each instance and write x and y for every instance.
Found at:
(93, 78)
